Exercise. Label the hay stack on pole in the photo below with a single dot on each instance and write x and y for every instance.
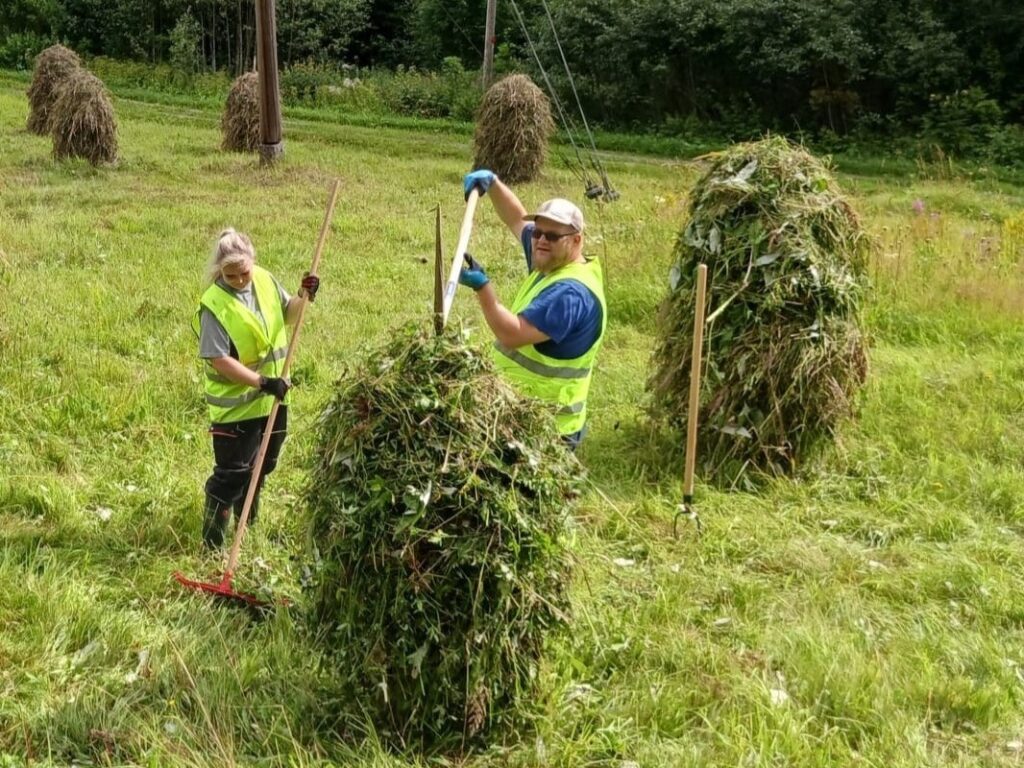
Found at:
(240, 122)
(439, 504)
(513, 126)
(787, 261)
(53, 66)
(82, 122)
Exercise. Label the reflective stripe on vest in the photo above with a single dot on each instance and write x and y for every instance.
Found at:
(261, 348)
(563, 383)
(275, 354)
(541, 369)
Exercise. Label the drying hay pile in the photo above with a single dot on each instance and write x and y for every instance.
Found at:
(786, 259)
(513, 126)
(83, 122)
(53, 67)
(439, 503)
(240, 122)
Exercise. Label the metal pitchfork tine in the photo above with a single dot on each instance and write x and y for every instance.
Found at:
(438, 276)
(223, 588)
(686, 509)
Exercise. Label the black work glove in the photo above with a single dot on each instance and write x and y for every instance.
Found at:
(310, 285)
(275, 386)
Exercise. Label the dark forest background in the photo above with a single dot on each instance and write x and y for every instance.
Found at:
(846, 68)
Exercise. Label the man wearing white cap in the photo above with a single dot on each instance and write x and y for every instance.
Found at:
(547, 340)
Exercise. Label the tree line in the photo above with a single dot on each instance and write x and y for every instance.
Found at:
(739, 66)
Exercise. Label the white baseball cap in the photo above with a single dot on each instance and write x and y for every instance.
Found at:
(561, 210)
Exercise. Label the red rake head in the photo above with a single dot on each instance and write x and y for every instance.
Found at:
(223, 589)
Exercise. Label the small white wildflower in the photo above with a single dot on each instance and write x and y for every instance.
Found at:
(579, 692)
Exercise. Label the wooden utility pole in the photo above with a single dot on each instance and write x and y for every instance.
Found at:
(488, 74)
(271, 142)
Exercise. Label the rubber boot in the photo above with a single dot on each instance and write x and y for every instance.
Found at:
(215, 522)
(253, 510)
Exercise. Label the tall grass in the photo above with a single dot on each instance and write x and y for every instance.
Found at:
(865, 613)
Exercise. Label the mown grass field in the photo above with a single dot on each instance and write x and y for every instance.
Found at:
(866, 613)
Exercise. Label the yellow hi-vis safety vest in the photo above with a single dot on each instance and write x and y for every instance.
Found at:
(564, 383)
(260, 348)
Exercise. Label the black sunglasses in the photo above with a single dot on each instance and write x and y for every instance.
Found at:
(551, 237)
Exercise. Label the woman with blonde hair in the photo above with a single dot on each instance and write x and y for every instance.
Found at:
(241, 323)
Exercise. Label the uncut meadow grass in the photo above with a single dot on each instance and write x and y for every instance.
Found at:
(864, 613)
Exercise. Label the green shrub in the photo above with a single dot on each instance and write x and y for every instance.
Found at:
(463, 89)
(1006, 146)
(317, 85)
(451, 93)
(301, 82)
(963, 122)
(17, 50)
(410, 92)
(186, 58)
(157, 77)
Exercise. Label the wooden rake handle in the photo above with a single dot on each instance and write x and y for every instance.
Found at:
(695, 367)
(293, 343)
(460, 252)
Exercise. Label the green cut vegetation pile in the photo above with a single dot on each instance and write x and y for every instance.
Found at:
(439, 504)
(785, 351)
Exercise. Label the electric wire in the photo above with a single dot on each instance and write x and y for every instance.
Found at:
(567, 126)
(572, 84)
(461, 30)
(581, 170)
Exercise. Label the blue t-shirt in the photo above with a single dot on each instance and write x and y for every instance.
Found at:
(567, 311)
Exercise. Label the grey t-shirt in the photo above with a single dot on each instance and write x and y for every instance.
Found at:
(213, 339)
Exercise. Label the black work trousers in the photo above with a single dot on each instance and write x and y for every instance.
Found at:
(235, 446)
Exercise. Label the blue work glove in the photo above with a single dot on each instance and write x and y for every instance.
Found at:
(472, 273)
(481, 179)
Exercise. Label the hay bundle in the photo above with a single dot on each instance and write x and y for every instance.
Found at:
(439, 502)
(240, 122)
(52, 68)
(513, 125)
(786, 260)
(83, 122)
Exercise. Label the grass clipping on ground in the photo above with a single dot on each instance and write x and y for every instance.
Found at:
(53, 66)
(82, 122)
(785, 352)
(439, 502)
(240, 122)
(513, 126)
